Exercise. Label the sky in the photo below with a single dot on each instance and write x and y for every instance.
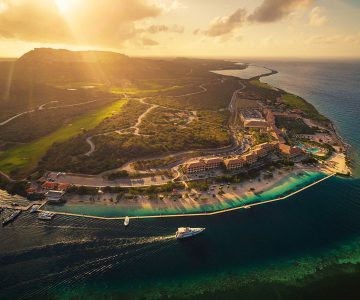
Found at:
(193, 28)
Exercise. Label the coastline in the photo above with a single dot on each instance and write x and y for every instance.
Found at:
(247, 194)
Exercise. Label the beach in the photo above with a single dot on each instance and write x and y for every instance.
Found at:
(218, 197)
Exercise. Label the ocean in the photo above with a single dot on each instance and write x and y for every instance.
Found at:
(307, 247)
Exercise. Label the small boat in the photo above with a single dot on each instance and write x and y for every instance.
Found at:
(185, 232)
(46, 216)
(11, 218)
(247, 206)
(126, 221)
(34, 209)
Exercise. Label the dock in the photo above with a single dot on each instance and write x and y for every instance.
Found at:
(23, 208)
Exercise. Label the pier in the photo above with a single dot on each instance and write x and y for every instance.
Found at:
(23, 208)
(200, 214)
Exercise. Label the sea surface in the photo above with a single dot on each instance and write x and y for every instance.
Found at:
(247, 73)
(307, 247)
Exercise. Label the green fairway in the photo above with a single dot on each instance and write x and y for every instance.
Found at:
(25, 157)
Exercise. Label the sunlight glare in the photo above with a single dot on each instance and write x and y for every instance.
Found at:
(62, 5)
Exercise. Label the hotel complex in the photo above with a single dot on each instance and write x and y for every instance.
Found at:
(237, 162)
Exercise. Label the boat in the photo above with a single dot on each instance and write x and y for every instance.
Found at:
(126, 221)
(46, 216)
(34, 209)
(185, 232)
(11, 218)
(247, 206)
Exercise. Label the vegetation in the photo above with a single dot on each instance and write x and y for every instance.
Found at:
(293, 126)
(217, 96)
(201, 185)
(129, 115)
(166, 188)
(296, 102)
(260, 137)
(14, 187)
(117, 175)
(24, 158)
(260, 84)
(43, 122)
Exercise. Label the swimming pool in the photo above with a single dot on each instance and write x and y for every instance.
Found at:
(308, 149)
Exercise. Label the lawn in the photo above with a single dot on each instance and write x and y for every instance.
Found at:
(296, 102)
(24, 158)
(258, 83)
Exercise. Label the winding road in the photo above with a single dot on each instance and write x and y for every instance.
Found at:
(136, 127)
(42, 107)
(235, 146)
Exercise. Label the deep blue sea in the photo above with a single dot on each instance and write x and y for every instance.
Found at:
(307, 247)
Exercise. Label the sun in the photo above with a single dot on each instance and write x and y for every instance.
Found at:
(62, 5)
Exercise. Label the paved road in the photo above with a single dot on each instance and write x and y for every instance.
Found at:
(99, 181)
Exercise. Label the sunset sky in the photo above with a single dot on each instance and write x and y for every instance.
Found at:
(199, 28)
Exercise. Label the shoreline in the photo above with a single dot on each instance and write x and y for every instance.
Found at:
(245, 194)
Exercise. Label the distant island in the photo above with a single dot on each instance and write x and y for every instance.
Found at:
(174, 134)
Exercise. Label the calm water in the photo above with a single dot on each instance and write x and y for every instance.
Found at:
(305, 248)
(249, 72)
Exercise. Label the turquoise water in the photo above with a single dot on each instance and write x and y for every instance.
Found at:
(309, 149)
(285, 186)
(307, 247)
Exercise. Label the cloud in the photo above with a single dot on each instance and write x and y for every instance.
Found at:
(275, 10)
(316, 18)
(227, 24)
(267, 11)
(153, 29)
(92, 22)
(32, 21)
(169, 5)
(332, 39)
(149, 42)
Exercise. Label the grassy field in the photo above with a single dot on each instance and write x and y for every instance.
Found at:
(22, 159)
(135, 90)
(296, 102)
(258, 83)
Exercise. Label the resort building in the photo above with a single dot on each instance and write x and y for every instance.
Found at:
(250, 158)
(234, 163)
(55, 196)
(204, 165)
(289, 151)
(48, 185)
(195, 167)
(214, 163)
(252, 118)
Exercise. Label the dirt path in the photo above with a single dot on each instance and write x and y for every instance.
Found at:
(142, 116)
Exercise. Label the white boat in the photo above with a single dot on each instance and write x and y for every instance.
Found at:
(46, 216)
(126, 221)
(185, 232)
(34, 208)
